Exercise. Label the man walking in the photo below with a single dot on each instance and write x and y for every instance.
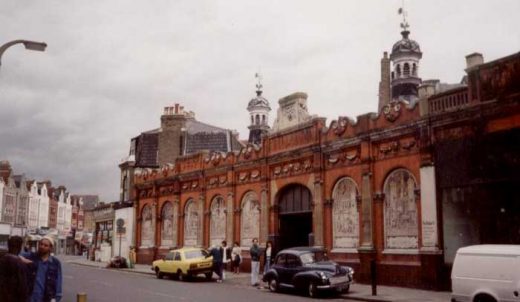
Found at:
(45, 273)
(254, 251)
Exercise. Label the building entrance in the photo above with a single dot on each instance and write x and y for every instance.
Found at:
(295, 217)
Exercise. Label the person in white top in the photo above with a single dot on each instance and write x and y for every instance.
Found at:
(225, 258)
(268, 255)
(236, 258)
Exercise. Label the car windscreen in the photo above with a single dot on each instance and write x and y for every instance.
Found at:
(313, 257)
(194, 254)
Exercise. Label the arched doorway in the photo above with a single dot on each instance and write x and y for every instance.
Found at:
(295, 216)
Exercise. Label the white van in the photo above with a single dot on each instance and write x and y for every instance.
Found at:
(486, 273)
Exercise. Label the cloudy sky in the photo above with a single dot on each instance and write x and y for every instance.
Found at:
(67, 114)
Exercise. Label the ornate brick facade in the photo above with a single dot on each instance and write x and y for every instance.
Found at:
(365, 190)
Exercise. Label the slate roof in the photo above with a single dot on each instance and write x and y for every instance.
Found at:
(146, 147)
(198, 136)
(89, 201)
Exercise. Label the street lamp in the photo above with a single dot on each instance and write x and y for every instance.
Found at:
(31, 45)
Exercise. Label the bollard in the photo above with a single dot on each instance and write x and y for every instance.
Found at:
(373, 276)
(82, 297)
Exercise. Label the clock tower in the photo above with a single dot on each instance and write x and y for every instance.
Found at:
(259, 109)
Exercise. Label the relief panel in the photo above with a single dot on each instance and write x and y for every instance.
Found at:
(250, 219)
(400, 211)
(345, 217)
(217, 227)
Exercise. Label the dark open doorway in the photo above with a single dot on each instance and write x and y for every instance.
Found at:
(295, 230)
(295, 216)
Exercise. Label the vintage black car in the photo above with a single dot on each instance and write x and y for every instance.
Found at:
(309, 269)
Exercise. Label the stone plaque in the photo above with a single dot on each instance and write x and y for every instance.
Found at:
(400, 214)
(191, 224)
(147, 229)
(250, 219)
(217, 227)
(345, 217)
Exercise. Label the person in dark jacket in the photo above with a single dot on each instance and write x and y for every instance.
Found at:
(13, 273)
(254, 251)
(44, 273)
(217, 253)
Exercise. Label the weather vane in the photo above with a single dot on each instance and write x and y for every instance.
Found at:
(402, 11)
(259, 86)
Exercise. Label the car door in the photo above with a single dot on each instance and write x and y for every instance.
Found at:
(293, 266)
(168, 263)
(176, 261)
(279, 266)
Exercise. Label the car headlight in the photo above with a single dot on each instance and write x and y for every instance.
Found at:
(322, 276)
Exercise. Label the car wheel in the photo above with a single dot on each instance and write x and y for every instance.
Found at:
(181, 276)
(312, 290)
(273, 284)
(209, 276)
(484, 298)
(158, 273)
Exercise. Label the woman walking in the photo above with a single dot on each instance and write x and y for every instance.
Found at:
(268, 255)
(235, 258)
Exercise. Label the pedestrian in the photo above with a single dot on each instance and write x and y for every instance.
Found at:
(237, 258)
(254, 251)
(45, 275)
(131, 257)
(216, 252)
(226, 258)
(13, 273)
(268, 255)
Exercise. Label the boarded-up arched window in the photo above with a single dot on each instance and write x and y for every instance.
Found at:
(345, 217)
(192, 221)
(250, 219)
(170, 218)
(217, 227)
(147, 228)
(401, 228)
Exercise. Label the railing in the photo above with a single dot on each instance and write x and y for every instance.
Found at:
(449, 102)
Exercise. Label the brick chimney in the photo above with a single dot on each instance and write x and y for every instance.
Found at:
(384, 83)
(171, 137)
(473, 60)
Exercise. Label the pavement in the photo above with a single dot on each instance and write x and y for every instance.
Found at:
(359, 292)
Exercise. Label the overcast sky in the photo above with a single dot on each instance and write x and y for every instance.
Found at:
(68, 114)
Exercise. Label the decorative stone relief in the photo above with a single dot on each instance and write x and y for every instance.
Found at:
(147, 229)
(293, 168)
(170, 218)
(392, 111)
(192, 221)
(250, 219)
(217, 227)
(400, 211)
(345, 217)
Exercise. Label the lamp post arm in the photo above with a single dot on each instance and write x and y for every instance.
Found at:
(28, 45)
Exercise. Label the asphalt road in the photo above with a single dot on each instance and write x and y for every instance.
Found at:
(109, 285)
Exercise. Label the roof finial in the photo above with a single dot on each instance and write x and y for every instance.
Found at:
(259, 85)
(404, 24)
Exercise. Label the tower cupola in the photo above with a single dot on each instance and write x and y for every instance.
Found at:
(405, 57)
(259, 109)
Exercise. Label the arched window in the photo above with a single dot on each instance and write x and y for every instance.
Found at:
(393, 75)
(406, 70)
(345, 217)
(250, 219)
(217, 227)
(252, 120)
(263, 119)
(257, 119)
(398, 70)
(400, 211)
(147, 228)
(170, 216)
(414, 69)
(192, 223)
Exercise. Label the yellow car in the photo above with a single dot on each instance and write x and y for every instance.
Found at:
(184, 263)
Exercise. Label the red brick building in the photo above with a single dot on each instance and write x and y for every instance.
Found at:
(393, 187)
